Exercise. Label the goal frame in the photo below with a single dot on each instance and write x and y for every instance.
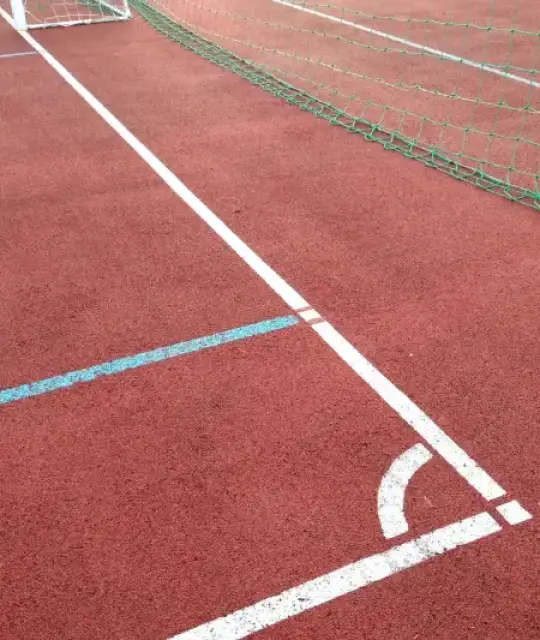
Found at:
(116, 13)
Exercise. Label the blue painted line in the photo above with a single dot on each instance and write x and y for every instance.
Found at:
(143, 359)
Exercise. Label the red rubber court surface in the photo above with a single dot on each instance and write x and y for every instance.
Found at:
(150, 502)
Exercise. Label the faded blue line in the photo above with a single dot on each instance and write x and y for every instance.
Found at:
(143, 359)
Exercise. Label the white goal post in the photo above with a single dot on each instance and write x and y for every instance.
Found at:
(38, 14)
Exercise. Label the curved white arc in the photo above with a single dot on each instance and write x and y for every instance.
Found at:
(391, 494)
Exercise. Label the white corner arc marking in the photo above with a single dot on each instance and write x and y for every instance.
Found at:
(396, 399)
(352, 577)
(391, 494)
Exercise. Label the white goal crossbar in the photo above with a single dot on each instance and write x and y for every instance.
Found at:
(39, 14)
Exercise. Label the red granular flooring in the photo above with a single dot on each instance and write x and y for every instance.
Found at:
(149, 502)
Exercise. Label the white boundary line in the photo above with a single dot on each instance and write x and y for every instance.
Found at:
(4, 56)
(413, 45)
(475, 475)
(368, 570)
(340, 582)
(411, 414)
(513, 512)
(394, 483)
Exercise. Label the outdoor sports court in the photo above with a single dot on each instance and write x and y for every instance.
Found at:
(263, 376)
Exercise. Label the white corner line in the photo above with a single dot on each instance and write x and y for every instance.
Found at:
(513, 512)
(396, 399)
(20, 54)
(413, 45)
(394, 483)
(352, 577)
(411, 413)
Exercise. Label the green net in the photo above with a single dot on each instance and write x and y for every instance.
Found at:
(456, 87)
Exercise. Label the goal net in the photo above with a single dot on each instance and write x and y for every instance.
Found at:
(454, 84)
(37, 14)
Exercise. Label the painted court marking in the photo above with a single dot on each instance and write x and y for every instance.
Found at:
(513, 512)
(143, 359)
(483, 66)
(394, 483)
(17, 55)
(411, 414)
(477, 477)
(349, 578)
(367, 570)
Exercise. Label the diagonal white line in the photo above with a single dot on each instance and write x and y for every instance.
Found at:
(352, 577)
(396, 399)
(17, 55)
(483, 66)
(367, 570)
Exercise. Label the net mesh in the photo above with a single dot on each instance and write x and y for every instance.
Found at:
(457, 87)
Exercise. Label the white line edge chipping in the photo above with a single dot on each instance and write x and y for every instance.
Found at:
(413, 45)
(454, 455)
(352, 577)
(394, 483)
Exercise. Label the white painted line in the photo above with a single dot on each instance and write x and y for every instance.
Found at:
(284, 290)
(20, 54)
(391, 494)
(352, 577)
(513, 512)
(413, 415)
(396, 399)
(413, 45)
(309, 315)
